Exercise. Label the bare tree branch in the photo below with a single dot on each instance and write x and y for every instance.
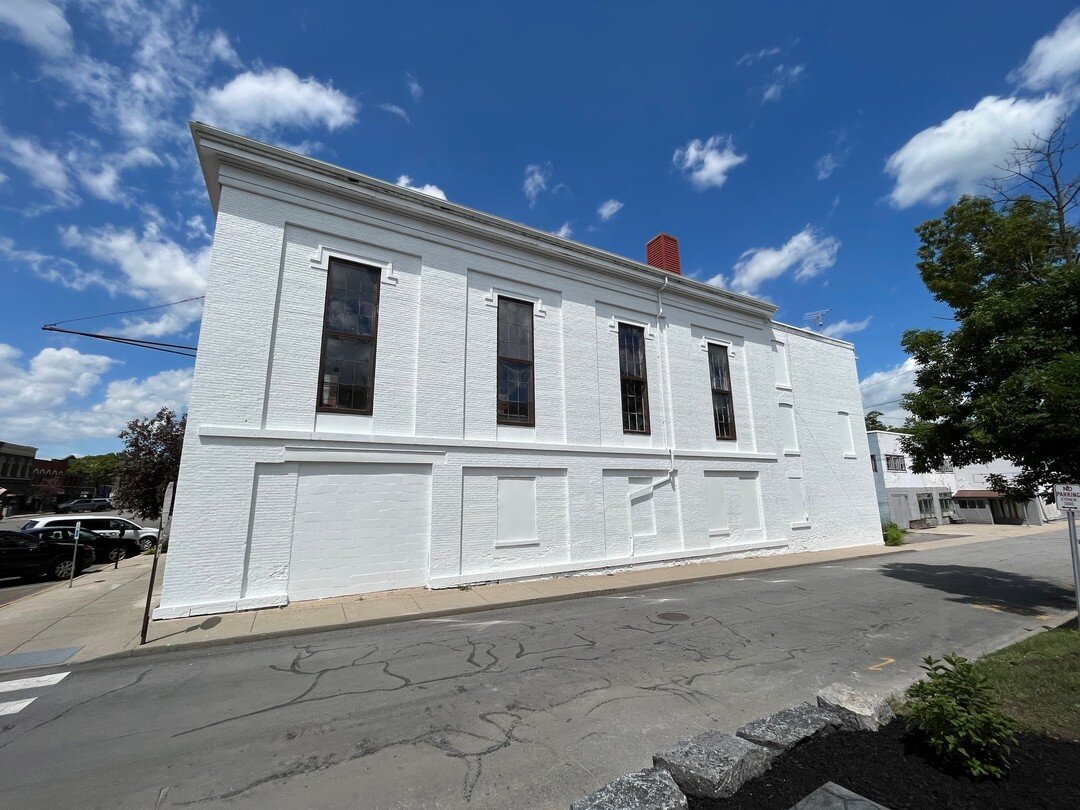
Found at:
(1039, 164)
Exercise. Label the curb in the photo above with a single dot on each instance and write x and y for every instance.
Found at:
(270, 635)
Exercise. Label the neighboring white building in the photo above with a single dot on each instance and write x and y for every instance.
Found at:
(977, 503)
(904, 496)
(393, 390)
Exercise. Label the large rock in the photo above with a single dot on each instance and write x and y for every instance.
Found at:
(858, 711)
(713, 765)
(791, 726)
(832, 796)
(651, 789)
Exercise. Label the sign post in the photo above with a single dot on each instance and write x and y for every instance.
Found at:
(164, 520)
(1067, 498)
(75, 553)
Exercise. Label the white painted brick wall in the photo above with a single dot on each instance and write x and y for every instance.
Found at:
(253, 409)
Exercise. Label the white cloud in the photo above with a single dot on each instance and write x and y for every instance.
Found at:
(807, 252)
(707, 163)
(43, 401)
(103, 180)
(45, 168)
(48, 379)
(827, 164)
(54, 268)
(1055, 59)
(536, 181)
(394, 109)
(841, 328)
(263, 101)
(754, 56)
(39, 24)
(415, 90)
(161, 59)
(153, 269)
(784, 76)
(882, 390)
(608, 209)
(196, 228)
(431, 190)
(957, 155)
(565, 231)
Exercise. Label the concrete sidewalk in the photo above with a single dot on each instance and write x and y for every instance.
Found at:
(102, 614)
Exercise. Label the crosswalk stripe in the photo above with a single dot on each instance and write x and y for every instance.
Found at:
(32, 683)
(14, 706)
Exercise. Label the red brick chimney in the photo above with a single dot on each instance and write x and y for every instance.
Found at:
(662, 251)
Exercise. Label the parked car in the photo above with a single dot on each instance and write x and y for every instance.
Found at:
(86, 505)
(135, 537)
(101, 548)
(31, 557)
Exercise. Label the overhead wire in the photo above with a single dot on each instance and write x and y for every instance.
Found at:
(154, 345)
(129, 311)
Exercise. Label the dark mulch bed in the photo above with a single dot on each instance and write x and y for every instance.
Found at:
(888, 769)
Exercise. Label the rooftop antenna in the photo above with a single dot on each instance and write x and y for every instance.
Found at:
(817, 316)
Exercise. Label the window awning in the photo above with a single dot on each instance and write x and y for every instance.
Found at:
(977, 493)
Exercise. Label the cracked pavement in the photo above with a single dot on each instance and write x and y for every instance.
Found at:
(531, 706)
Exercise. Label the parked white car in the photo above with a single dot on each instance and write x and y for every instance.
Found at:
(140, 537)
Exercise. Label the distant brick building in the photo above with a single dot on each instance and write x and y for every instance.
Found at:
(54, 482)
(16, 480)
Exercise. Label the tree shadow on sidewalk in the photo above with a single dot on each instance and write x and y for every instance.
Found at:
(986, 588)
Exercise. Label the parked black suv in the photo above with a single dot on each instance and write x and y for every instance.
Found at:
(85, 505)
(30, 557)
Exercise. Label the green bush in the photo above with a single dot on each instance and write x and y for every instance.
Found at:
(954, 711)
(893, 534)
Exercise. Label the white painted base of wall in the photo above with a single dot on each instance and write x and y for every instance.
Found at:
(594, 566)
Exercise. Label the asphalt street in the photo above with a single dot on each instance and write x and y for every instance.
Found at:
(520, 707)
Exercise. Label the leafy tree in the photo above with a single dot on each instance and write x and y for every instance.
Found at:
(873, 421)
(1006, 382)
(96, 471)
(48, 488)
(149, 462)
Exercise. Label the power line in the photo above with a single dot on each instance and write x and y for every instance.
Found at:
(130, 311)
(881, 404)
(893, 377)
(168, 348)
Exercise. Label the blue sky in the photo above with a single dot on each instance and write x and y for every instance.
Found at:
(791, 147)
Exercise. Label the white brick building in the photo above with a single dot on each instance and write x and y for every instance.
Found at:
(505, 435)
(905, 496)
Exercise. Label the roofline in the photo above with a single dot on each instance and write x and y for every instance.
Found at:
(216, 146)
(18, 448)
(811, 333)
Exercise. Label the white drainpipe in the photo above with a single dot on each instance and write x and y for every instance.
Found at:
(669, 422)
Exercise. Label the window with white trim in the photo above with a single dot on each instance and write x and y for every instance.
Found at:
(633, 379)
(720, 380)
(350, 330)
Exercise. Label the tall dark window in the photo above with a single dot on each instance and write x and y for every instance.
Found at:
(515, 397)
(720, 377)
(634, 380)
(350, 328)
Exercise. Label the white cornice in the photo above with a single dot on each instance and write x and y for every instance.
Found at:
(216, 147)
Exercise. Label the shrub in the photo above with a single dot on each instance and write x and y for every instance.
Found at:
(893, 534)
(954, 712)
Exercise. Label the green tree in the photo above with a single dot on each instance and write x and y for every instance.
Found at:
(149, 462)
(873, 421)
(1005, 383)
(96, 471)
